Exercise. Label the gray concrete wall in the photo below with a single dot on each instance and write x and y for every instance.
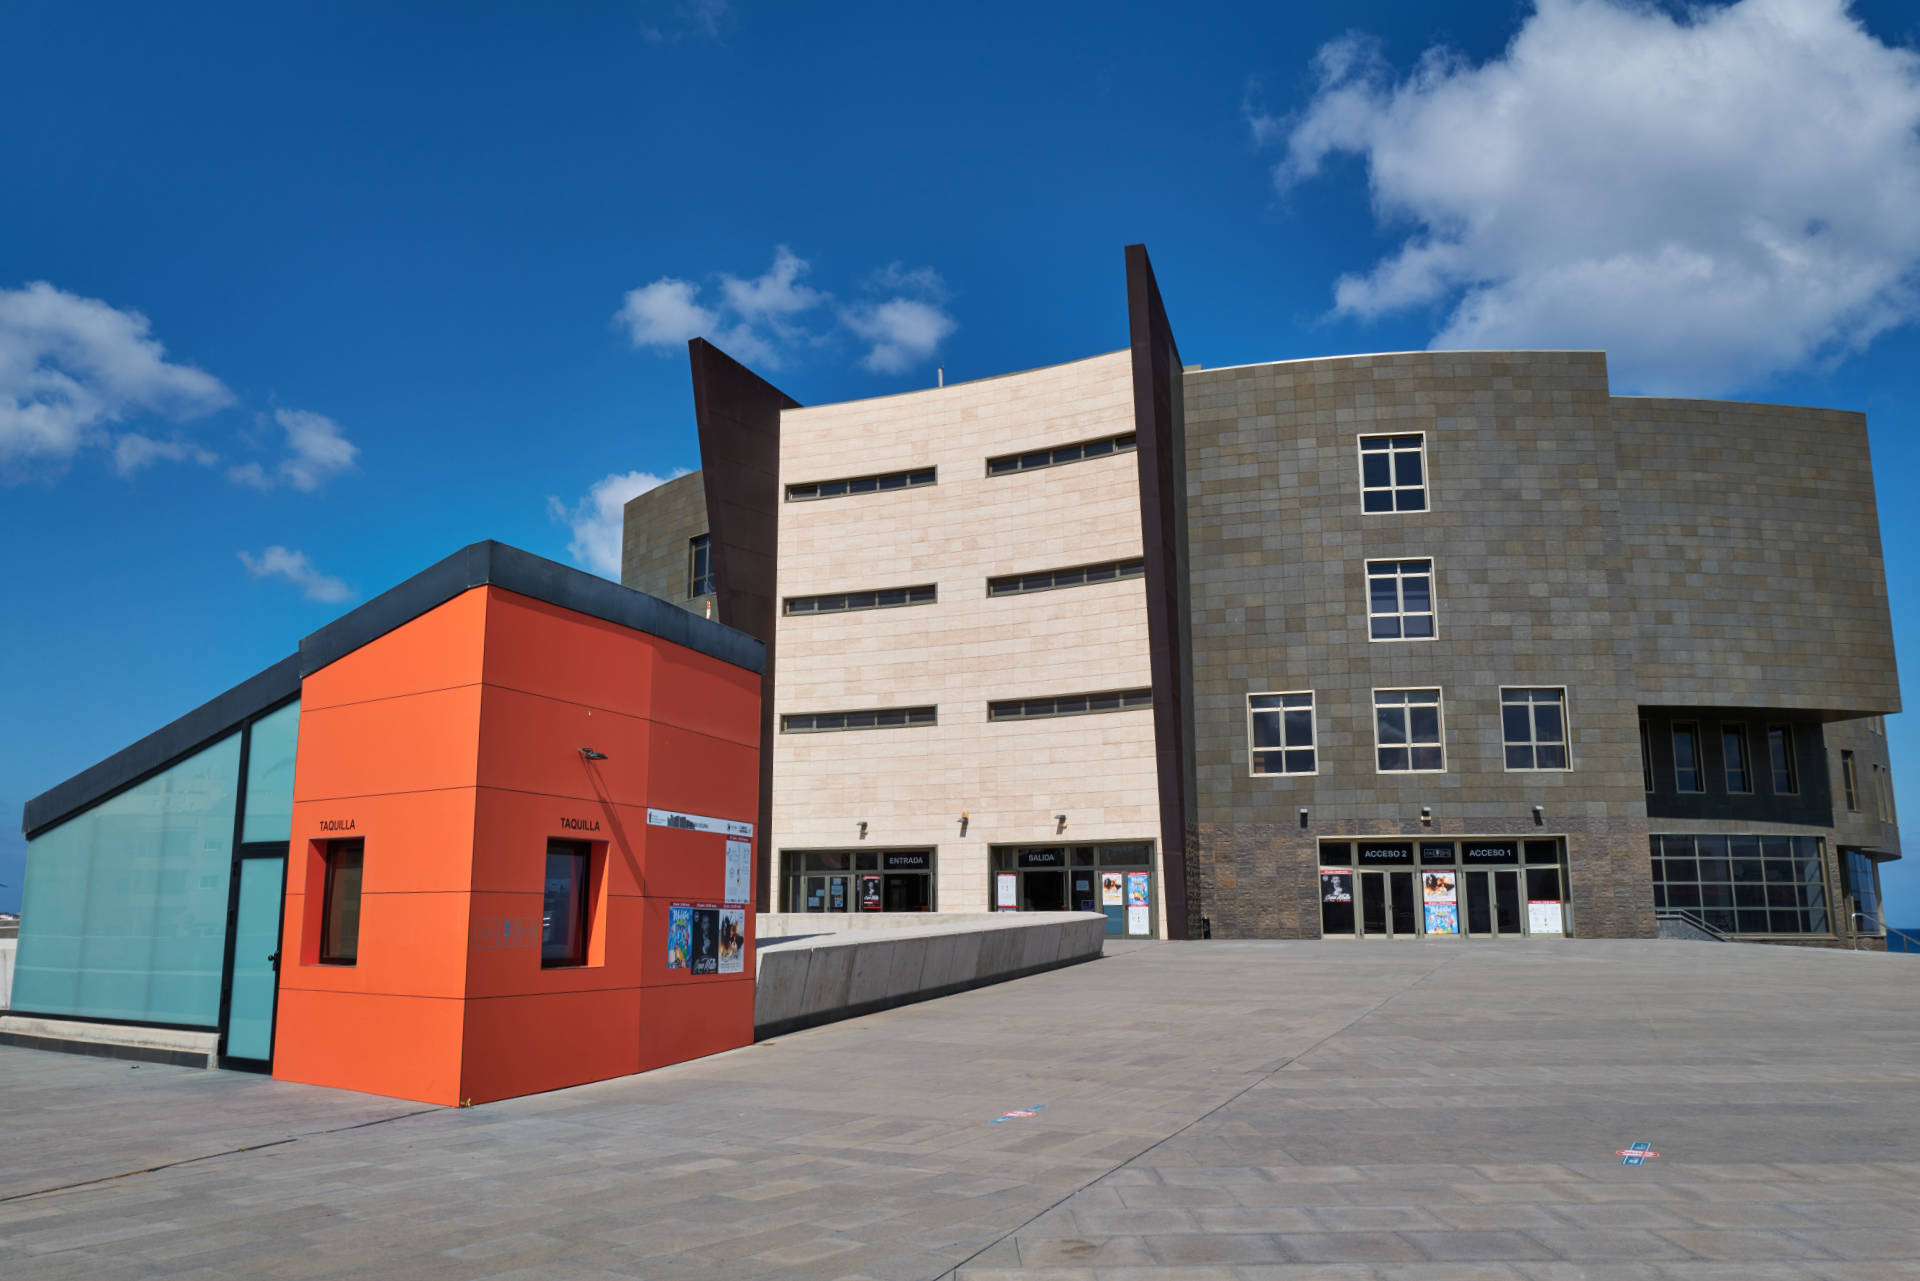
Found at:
(655, 531)
(1522, 528)
(1752, 554)
(814, 978)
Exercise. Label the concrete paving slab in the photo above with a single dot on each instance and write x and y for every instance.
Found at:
(1237, 1110)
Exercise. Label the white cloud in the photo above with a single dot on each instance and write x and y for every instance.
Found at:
(1714, 198)
(278, 562)
(901, 332)
(754, 321)
(317, 451)
(71, 365)
(133, 452)
(664, 313)
(596, 519)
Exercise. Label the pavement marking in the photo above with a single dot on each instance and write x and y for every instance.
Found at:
(1008, 1116)
(1637, 1154)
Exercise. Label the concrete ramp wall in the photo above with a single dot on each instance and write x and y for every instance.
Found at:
(816, 968)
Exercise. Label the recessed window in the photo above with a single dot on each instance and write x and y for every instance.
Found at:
(1850, 780)
(883, 598)
(563, 924)
(1733, 753)
(1104, 447)
(700, 567)
(861, 485)
(1786, 779)
(1406, 731)
(1046, 580)
(1280, 736)
(1687, 776)
(1393, 473)
(340, 902)
(883, 718)
(1027, 709)
(1646, 754)
(1534, 724)
(1860, 877)
(1400, 600)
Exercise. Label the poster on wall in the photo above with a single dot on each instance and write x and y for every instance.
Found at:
(1440, 898)
(706, 940)
(1136, 890)
(1113, 885)
(1006, 892)
(697, 823)
(1137, 920)
(679, 937)
(739, 870)
(1546, 916)
(733, 938)
(869, 894)
(1336, 887)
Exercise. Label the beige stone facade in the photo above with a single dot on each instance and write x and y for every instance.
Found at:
(1011, 780)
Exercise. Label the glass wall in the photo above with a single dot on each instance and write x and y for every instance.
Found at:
(125, 910)
(270, 775)
(1744, 884)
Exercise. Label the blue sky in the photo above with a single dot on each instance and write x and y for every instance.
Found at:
(294, 301)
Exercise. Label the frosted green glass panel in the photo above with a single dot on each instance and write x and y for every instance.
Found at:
(124, 914)
(270, 775)
(256, 938)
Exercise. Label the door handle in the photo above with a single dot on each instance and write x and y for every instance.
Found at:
(274, 961)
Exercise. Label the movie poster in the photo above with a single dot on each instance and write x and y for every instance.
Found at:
(679, 937)
(1113, 887)
(1136, 889)
(706, 940)
(739, 865)
(1438, 891)
(733, 939)
(869, 894)
(1336, 887)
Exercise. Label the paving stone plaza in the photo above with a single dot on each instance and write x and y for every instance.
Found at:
(1200, 1111)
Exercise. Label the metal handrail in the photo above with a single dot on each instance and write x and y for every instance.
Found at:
(1913, 940)
(1879, 933)
(1698, 922)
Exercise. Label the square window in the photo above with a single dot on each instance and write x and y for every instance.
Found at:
(1407, 731)
(1393, 473)
(1400, 600)
(340, 903)
(563, 924)
(1280, 734)
(1533, 723)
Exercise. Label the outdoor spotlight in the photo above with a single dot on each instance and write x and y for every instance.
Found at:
(863, 828)
(1059, 822)
(592, 755)
(1539, 816)
(1303, 820)
(1426, 816)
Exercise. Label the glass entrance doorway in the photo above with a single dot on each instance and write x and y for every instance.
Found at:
(1114, 879)
(859, 880)
(1483, 889)
(1493, 903)
(255, 981)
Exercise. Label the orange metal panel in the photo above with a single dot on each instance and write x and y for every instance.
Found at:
(681, 1023)
(523, 1045)
(441, 648)
(532, 744)
(402, 1046)
(410, 945)
(693, 691)
(416, 743)
(499, 965)
(543, 649)
(415, 841)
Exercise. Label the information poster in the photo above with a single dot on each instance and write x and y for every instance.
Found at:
(1137, 920)
(679, 937)
(1006, 892)
(869, 894)
(1113, 887)
(739, 870)
(733, 939)
(1136, 891)
(1545, 916)
(697, 823)
(836, 894)
(1442, 903)
(706, 940)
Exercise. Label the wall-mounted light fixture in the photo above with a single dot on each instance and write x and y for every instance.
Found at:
(1539, 816)
(592, 755)
(963, 822)
(1426, 816)
(1059, 823)
(863, 829)
(1303, 820)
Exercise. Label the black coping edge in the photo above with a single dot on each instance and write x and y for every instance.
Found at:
(801, 1022)
(107, 1050)
(477, 565)
(218, 716)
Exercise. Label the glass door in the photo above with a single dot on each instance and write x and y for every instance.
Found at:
(1479, 904)
(255, 985)
(1509, 917)
(1405, 913)
(1373, 903)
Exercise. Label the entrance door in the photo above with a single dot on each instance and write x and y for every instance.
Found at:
(1373, 903)
(1406, 904)
(1479, 904)
(1046, 891)
(1493, 903)
(1508, 915)
(256, 957)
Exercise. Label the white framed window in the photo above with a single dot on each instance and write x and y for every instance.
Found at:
(1393, 473)
(1533, 722)
(1399, 600)
(1280, 734)
(1407, 734)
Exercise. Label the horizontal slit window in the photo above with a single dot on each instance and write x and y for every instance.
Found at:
(861, 485)
(883, 598)
(1075, 576)
(883, 718)
(1028, 709)
(1074, 453)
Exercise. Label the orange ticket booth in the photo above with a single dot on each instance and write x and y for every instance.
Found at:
(521, 848)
